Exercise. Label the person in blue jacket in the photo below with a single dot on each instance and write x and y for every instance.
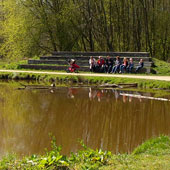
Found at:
(140, 66)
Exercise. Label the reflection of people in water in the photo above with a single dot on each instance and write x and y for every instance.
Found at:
(100, 94)
(107, 95)
(130, 99)
(124, 99)
(116, 94)
(126, 96)
(71, 92)
(95, 93)
(137, 93)
(140, 99)
(92, 93)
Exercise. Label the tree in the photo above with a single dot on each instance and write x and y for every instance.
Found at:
(34, 27)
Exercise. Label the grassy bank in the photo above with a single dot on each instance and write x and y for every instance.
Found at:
(152, 154)
(85, 79)
(161, 67)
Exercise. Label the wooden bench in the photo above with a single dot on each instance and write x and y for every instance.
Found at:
(59, 60)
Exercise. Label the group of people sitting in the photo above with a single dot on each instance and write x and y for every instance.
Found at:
(109, 66)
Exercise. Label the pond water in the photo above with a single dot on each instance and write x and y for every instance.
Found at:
(105, 119)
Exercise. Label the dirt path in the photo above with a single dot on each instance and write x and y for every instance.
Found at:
(147, 77)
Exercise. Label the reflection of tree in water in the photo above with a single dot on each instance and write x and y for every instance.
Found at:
(114, 122)
(109, 124)
(23, 112)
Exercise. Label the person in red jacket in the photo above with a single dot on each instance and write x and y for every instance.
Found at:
(100, 64)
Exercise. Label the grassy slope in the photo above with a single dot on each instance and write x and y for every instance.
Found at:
(162, 67)
(4, 64)
(153, 154)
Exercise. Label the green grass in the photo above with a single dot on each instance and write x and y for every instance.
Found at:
(162, 67)
(152, 154)
(4, 64)
(150, 84)
(155, 146)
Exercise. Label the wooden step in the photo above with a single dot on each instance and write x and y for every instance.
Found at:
(59, 60)
(79, 62)
(86, 58)
(48, 67)
(59, 68)
(126, 54)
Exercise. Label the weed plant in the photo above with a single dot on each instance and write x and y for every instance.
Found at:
(152, 154)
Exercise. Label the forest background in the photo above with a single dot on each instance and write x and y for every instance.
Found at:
(31, 28)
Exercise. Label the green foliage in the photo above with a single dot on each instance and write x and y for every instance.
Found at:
(161, 67)
(16, 26)
(155, 146)
(152, 154)
(8, 161)
(51, 160)
(33, 27)
(90, 159)
(86, 159)
(11, 65)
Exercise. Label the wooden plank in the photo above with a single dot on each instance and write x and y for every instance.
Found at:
(86, 58)
(79, 62)
(126, 54)
(122, 85)
(60, 62)
(144, 97)
(48, 67)
(82, 68)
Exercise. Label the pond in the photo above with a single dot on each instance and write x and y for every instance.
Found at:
(103, 118)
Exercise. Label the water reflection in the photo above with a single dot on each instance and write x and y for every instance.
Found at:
(107, 119)
(107, 95)
(72, 92)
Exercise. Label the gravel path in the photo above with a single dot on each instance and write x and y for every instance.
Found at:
(147, 77)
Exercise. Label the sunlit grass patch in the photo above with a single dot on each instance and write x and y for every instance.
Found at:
(161, 67)
(155, 146)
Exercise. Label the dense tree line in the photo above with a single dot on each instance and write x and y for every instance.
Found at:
(32, 27)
